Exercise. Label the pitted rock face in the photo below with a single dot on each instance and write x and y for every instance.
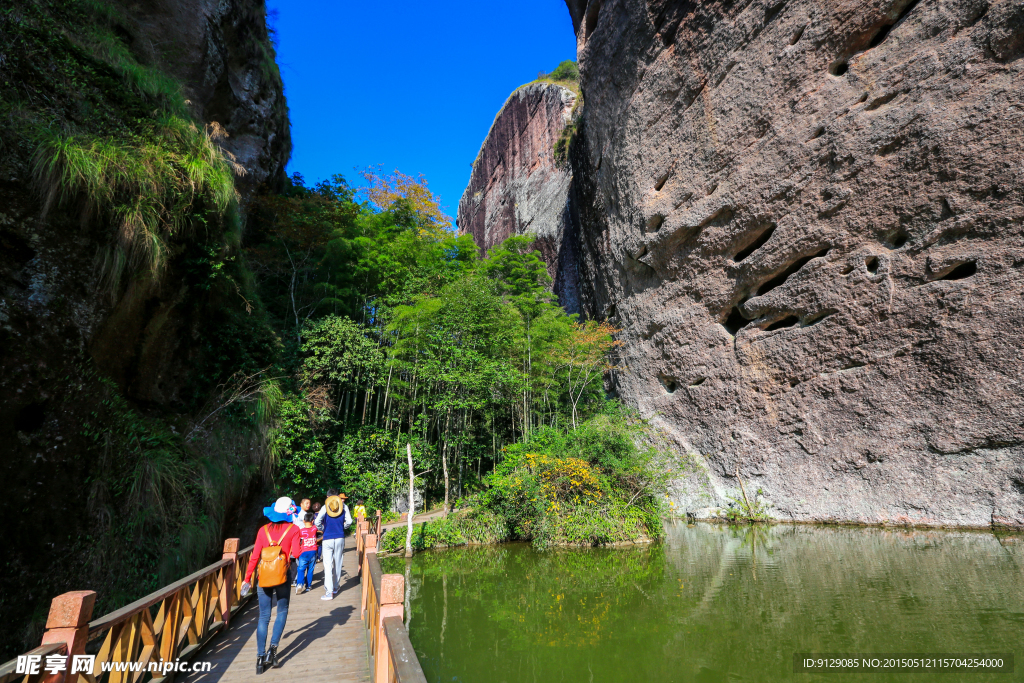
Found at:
(806, 217)
(516, 187)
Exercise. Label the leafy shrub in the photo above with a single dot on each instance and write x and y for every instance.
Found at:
(561, 148)
(742, 510)
(566, 71)
(475, 526)
(597, 484)
(425, 535)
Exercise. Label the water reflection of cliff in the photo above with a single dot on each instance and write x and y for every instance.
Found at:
(714, 603)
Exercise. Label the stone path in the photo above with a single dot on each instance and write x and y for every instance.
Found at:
(323, 640)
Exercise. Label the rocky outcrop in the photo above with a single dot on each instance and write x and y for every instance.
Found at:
(222, 54)
(806, 217)
(517, 188)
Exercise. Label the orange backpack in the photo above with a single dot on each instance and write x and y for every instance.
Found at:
(273, 561)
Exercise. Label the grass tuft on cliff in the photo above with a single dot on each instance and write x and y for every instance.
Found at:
(147, 187)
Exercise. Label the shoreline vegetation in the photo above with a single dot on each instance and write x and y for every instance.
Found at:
(599, 484)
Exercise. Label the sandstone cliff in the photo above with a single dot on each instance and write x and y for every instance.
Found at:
(807, 218)
(517, 187)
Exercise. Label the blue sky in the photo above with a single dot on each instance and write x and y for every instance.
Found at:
(412, 85)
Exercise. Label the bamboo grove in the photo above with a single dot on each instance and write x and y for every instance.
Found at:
(395, 330)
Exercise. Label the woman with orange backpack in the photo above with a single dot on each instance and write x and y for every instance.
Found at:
(276, 544)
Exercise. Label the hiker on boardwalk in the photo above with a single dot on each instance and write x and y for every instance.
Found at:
(299, 519)
(332, 520)
(316, 513)
(276, 544)
(307, 560)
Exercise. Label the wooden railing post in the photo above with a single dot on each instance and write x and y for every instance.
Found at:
(227, 595)
(392, 599)
(362, 527)
(369, 547)
(68, 622)
(378, 524)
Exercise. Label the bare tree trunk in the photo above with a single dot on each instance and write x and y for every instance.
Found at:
(412, 500)
(444, 459)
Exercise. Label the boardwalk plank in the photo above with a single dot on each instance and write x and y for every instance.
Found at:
(323, 639)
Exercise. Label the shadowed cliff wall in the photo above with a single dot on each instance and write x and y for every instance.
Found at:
(98, 382)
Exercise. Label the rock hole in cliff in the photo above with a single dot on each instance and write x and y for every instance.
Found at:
(31, 417)
(788, 321)
(661, 182)
(791, 270)
(883, 32)
(669, 383)
(773, 11)
(872, 264)
(863, 98)
(817, 318)
(945, 210)
(899, 240)
(796, 35)
(697, 382)
(654, 222)
(590, 22)
(881, 101)
(1018, 483)
(847, 269)
(735, 322)
(978, 17)
(756, 244)
(818, 132)
(839, 68)
(964, 270)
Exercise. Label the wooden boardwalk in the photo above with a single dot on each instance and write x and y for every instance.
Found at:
(324, 640)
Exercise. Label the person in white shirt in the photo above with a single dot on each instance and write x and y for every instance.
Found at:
(299, 517)
(323, 512)
(333, 519)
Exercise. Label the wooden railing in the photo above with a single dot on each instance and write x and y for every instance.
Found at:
(167, 626)
(383, 600)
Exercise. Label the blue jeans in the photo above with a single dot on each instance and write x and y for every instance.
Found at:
(265, 596)
(307, 563)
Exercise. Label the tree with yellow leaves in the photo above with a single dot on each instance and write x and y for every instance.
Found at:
(384, 189)
(583, 355)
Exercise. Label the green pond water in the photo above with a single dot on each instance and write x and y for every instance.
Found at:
(714, 603)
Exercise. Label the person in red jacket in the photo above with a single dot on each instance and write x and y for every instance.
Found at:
(280, 532)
